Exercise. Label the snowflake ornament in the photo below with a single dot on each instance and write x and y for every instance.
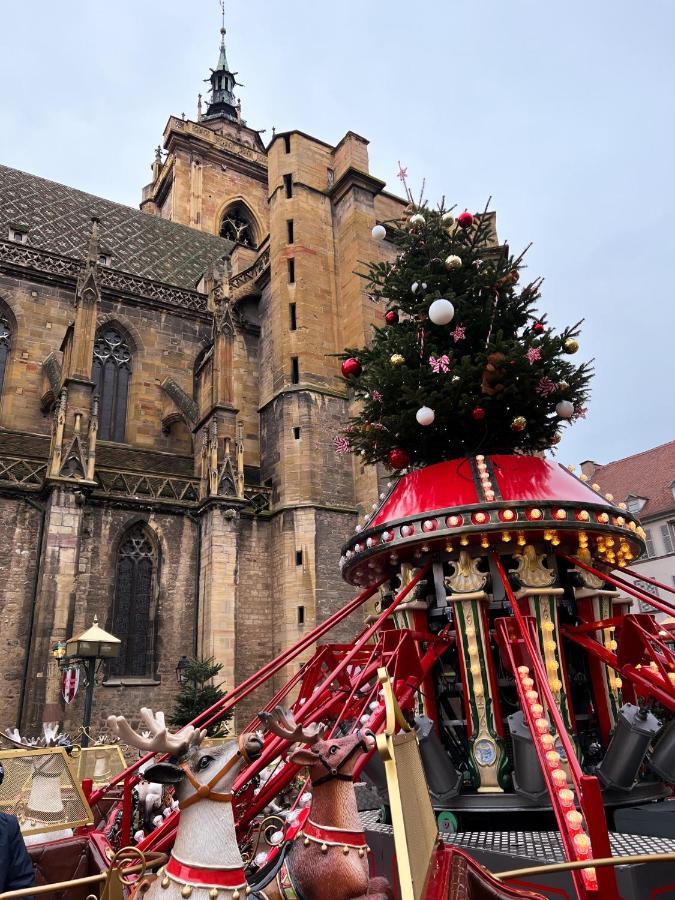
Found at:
(546, 387)
(340, 444)
(459, 333)
(533, 355)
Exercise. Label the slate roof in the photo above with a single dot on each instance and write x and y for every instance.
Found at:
(59, 220)
(649, 474)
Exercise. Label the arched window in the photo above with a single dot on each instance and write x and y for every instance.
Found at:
(132, 618)
(237, 225)
(5, 342)
(111, 371)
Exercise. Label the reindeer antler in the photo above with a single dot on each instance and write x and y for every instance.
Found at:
(157, 739)
(281, 722)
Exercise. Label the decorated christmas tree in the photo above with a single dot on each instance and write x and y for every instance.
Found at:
(464, 363)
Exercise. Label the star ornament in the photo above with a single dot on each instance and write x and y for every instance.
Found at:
(533, 355)
(459, 333)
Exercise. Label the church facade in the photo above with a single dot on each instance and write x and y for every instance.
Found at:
(169, 398)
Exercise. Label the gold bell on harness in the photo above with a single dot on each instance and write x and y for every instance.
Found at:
(324, 848)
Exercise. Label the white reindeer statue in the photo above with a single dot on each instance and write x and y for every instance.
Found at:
(205, 861)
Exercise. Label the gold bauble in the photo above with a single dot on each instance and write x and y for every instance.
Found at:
(557, 437)
(519, 423)
(571, 345)
(396, 359)
(563, 386)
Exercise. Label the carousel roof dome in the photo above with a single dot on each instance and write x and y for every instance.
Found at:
(488, 502)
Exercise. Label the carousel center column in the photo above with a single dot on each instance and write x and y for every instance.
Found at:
(469, 600)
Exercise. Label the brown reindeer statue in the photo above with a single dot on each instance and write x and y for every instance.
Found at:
(329, 859)
(205, 861)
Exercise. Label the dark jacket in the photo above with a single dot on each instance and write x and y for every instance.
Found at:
(16, 868)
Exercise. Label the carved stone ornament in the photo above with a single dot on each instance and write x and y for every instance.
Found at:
(588, 578)
(531, 570)
(466, 577)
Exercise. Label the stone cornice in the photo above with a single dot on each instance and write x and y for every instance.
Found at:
(20, 258)
(352, 178)
(185, 127)
(302, 389)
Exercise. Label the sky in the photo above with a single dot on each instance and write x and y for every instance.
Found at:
(561, 112)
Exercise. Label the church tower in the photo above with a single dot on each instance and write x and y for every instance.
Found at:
(299, 215)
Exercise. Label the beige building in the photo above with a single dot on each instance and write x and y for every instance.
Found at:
(646, 483)
(169, 399)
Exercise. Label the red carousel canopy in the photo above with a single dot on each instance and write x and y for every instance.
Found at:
(487, 500)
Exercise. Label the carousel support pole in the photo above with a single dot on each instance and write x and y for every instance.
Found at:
(538, 597)
(469, 601)
(413, 615)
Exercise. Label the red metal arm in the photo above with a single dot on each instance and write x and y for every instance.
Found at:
(520, 631)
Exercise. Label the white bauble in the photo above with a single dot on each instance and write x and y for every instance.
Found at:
(424, 285)
(441, 312)
(417, 219)
(453, 262)
(379, 232)
(425, 416)
(448, 219)
(564, 409)
(413, 287)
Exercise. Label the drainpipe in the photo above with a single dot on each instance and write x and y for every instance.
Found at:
(31, 618)
(195, 629)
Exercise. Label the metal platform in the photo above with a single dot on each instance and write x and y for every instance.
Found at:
(500, 851)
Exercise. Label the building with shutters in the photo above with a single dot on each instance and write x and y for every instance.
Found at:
(169, 398)
(646, 483)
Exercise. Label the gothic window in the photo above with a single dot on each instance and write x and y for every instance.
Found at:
(111, 371)
(237, 226)
(132, 615)
(5, 340)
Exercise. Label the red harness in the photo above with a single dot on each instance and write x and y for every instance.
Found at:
(192, 875)
(334, 837)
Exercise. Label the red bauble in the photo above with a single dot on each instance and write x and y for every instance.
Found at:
(465, 220)
(478, 413)
(538, 327)
(398, 458)
(351, 367)
(391, 317)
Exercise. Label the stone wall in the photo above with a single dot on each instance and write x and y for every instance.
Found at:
(19, 535)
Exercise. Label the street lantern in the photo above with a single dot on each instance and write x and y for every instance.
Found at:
(94, 643)
(182, 670)
(88, 647)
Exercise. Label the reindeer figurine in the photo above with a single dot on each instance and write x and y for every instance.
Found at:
(205, 861)
(329, 861)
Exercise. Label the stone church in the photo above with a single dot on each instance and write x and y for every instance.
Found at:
(169, 399)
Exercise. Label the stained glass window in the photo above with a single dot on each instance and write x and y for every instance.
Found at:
(111, 372)
(5, 340)
(132, 621)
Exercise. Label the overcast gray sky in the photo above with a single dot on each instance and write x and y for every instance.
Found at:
(563, 112)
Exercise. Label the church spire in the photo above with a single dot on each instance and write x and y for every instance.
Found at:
(222, 102)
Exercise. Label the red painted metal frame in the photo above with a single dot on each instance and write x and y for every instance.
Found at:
(642, 577)
(215, 712)
(614, 579)
(322, 700)
(639, 644)
(518, 635)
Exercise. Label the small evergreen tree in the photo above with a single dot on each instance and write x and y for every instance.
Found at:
(198, 693)
(464, 364)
